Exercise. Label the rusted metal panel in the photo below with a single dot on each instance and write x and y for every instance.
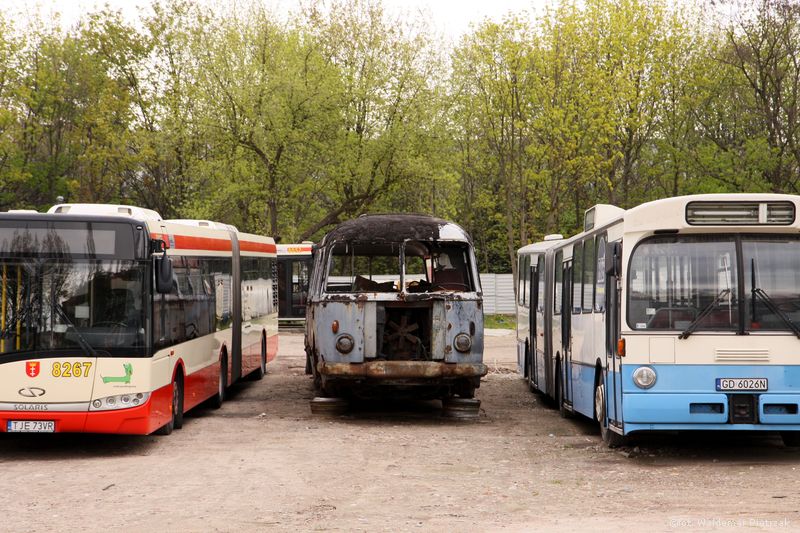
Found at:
(439, 329)
(402, 370)
(350, 317)
(464, 317)
(370, 330)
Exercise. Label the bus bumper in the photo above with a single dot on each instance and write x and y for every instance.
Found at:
(423, 370)
(711, 411)
(140, 420)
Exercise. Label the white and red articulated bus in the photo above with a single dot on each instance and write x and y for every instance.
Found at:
(113, 320)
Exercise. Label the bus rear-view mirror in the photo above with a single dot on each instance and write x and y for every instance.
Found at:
(163, 269)
(614, 259)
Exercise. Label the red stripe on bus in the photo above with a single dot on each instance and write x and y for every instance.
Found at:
(247, 246)
(186, 242)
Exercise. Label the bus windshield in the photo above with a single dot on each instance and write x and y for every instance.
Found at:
(427, 267)
(678, 282)
(87, 307)
(684, 282)
(771, 282)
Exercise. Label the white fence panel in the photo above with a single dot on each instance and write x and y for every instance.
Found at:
(498, 294)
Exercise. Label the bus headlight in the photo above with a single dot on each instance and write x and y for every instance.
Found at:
(120, 401)
(345, 343)
(644, 377)
(462, 342)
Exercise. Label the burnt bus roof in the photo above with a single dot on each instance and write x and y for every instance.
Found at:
(395, 228)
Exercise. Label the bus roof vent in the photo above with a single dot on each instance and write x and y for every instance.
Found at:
(204, 224)
(20, 211)
(106, 210)
(600, 214)
(740, 213)
(553, 237)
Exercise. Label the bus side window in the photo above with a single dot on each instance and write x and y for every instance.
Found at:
(559, 273)
(540, 289)
(521, 280)
(528, 280)
(577, 273)
(600, 275)
(588, 275)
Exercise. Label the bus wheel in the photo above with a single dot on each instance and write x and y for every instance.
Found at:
(791, 439)
(177, 402)
(262, 369)
(215, 402)
(611, 439)
(562, 407)
(529, 363)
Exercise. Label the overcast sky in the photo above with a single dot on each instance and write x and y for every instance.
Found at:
(449, 17)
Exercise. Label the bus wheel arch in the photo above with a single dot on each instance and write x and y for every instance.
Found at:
(609, 436)
(176, 403)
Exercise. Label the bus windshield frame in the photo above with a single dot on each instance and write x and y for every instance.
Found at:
(736, 283)
(74, 288)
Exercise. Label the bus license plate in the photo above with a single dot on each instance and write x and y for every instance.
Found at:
(741, 384)
(31, 426)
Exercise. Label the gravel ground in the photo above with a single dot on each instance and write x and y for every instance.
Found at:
(264, 463)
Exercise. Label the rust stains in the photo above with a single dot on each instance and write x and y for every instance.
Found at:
(402, 369)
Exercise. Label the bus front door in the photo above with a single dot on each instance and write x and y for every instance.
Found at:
(613, 360)
(566, 334)
(533, 370)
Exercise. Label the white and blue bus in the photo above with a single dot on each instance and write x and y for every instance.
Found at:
(678, 314)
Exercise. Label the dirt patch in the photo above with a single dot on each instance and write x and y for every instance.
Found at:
(263, 462)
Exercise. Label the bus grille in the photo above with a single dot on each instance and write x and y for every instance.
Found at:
(732, 355)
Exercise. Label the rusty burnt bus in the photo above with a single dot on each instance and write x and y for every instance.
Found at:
(395, 305)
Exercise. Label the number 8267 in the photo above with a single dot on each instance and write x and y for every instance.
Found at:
(71, 370)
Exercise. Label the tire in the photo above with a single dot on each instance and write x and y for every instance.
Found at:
(531, 378)
(177, 401)
(791, 439)
(610, 438)
(176, 421)
(215, 402)
(308, 364)
(259, 373)
(562, 408)
(529, 363)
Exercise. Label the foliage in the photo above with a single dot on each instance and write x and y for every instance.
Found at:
(288, 126)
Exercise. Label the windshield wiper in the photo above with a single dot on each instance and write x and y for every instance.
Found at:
(703, 313)
(770, 303)
(84, 344)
